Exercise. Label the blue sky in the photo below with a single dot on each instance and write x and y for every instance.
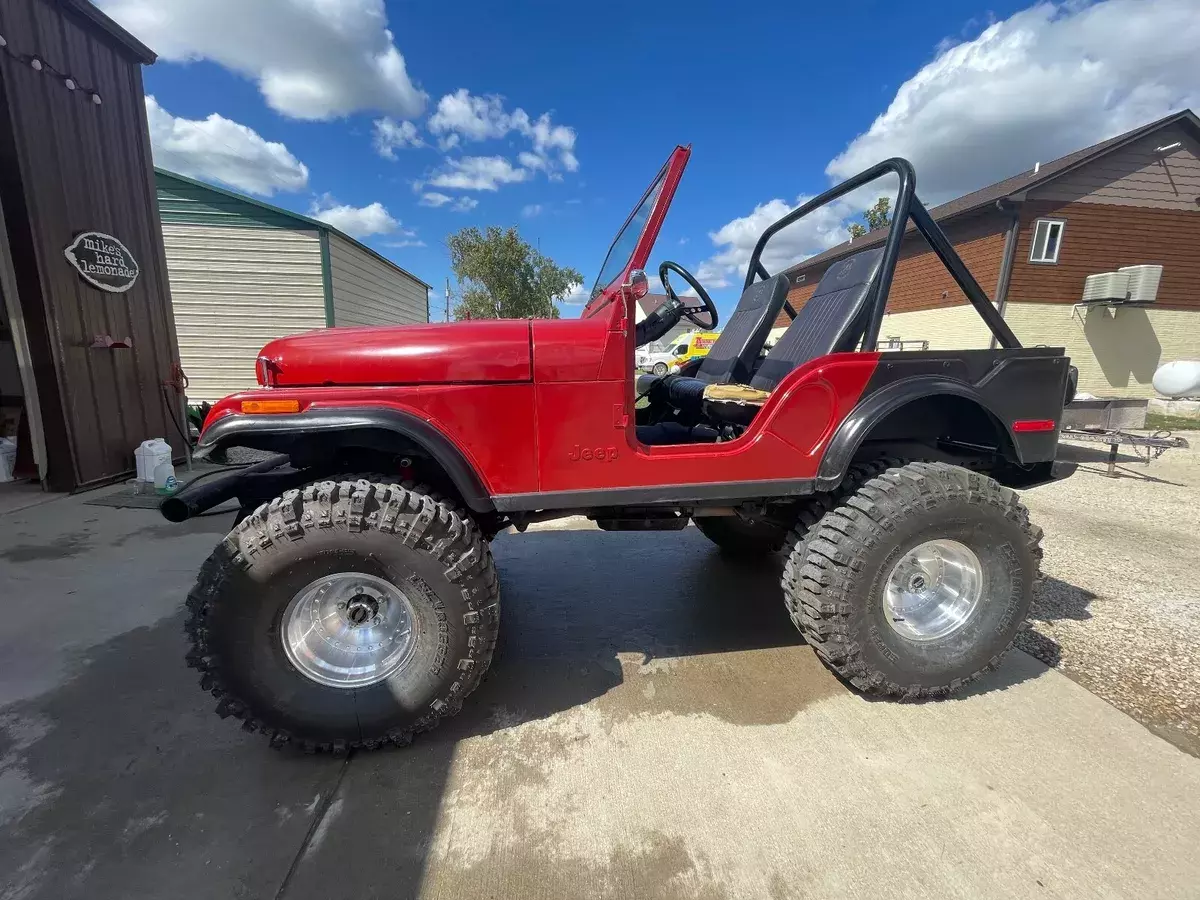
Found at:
(284, 101)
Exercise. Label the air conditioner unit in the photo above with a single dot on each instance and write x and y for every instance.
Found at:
(1143, 282)
(1106, 286)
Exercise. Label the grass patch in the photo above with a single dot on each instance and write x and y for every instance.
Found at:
(1163, 422)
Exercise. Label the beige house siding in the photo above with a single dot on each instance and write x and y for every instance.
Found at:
(1135, 175)
(367, 291)
(233, 289)
(1116, 351)
(956, 327)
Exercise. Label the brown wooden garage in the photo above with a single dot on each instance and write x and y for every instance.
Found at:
(87, 310)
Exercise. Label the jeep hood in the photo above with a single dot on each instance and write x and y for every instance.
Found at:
(494, 350)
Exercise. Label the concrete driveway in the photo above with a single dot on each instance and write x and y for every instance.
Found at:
(652, 728)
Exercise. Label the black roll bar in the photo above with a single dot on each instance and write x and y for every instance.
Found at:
(908, 206)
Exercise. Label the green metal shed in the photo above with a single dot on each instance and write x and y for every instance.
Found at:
(243, 272)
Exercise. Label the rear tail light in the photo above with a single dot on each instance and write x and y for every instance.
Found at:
(1021, 426)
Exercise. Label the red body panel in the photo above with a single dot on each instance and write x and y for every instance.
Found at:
(579, 435)
(548, 405)
(494, 350)
(568, 349)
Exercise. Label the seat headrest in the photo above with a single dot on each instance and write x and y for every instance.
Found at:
(860, 268)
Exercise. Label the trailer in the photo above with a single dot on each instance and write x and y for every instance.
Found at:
(1155, 445)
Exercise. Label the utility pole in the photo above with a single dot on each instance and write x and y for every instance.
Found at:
(447, 299)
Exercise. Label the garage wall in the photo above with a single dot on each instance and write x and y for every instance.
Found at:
(1116, 351)
(369, 291)
(235, 288)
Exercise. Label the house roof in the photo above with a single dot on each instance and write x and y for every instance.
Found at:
(302, 220)
(1008, 188)
(99, 20)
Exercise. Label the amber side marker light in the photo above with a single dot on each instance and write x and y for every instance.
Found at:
(270, 406)
(1025, 425)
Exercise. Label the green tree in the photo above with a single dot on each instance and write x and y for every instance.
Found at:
(504, 278)
(878, 216)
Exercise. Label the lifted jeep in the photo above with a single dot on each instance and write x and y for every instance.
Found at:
(355, 602)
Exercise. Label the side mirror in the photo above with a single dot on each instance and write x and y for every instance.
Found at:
(638, 284)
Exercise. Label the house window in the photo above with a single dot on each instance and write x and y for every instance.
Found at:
(1047, 239)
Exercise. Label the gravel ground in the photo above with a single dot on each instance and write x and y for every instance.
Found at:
(1119, 608)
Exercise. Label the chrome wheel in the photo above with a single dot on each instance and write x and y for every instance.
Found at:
(349, 630)
(933, 590)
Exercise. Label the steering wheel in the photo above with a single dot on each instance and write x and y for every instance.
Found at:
(693, 315)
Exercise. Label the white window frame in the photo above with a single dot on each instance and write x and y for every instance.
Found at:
(1049, 223)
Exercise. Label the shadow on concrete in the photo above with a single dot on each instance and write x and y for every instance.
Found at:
(1093, 459)
(121, 782)
(1053, 600)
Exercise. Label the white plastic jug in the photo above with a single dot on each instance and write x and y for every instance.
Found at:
(164, 478)
(8, 458)
(149, 455)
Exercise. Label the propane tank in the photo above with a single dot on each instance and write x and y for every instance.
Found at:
(1178, 379)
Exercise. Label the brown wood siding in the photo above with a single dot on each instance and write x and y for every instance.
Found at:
(1136, 175)
(72, 166)
(1102, 238)
(921, 281)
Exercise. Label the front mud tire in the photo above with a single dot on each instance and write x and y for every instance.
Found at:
(836, 576)
(399, 533)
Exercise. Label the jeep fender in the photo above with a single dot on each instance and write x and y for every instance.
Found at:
(329, 428)
(855, 428)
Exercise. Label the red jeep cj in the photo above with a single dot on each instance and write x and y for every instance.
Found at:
(355, 602)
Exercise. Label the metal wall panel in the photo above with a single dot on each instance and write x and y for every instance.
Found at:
(368, 291)
(234, 289)
(71, 165)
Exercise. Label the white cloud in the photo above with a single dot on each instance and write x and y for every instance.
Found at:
(437, 200)
(475, 118)
(356, 221)
(577, 297)
(465, 116)
(531, 210)
(217, 149)
(311, 59)
(820, 230)
(400, 245)
(478, 173)
(1045, 82)
(391, 136)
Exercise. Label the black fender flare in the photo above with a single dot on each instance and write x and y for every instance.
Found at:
(853, 430)
(360, 426)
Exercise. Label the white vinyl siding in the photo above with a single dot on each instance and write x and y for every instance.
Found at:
(368, 291)
(234, 289)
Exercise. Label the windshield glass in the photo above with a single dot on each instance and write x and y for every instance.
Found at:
(626, 242)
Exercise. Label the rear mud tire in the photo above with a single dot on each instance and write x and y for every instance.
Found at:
(397, 532)
(836, 574)
(738, 537)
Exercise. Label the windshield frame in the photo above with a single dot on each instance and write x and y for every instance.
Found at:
(665, 181)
